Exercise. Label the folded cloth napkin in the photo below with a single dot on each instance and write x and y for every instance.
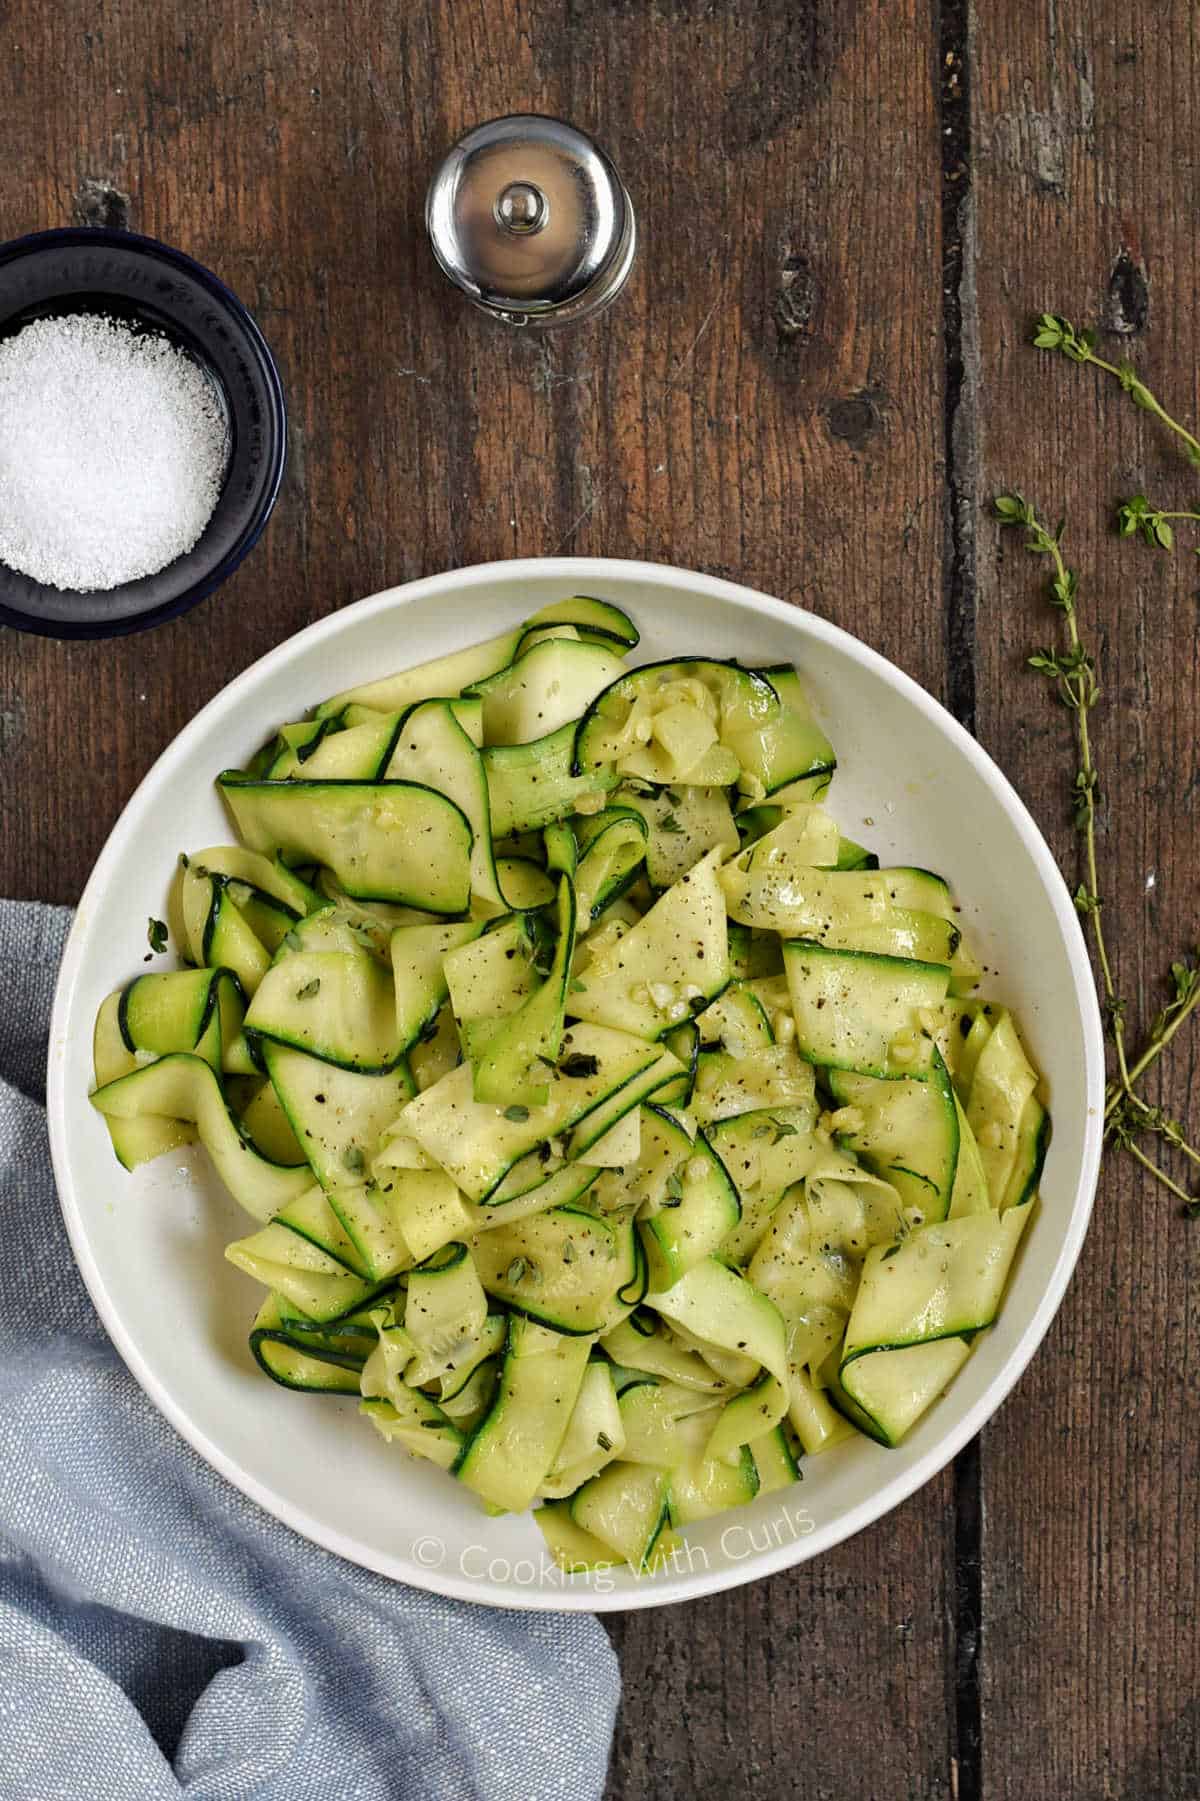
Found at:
(160, 1635)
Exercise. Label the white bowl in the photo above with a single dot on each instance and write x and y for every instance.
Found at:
(910, 783)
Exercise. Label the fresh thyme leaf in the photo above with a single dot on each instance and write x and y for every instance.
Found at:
(669, 823)
(783, 1129)
(516, 1113)
(309, 989)
(674, 1190)
(890, 1252)
(568, 1251)
(156, 935)
(604, 1441)
(579, 1063)
(1184, 978)
(1135, 514)
(353, 1159)
(516, 1271)
(578, 987)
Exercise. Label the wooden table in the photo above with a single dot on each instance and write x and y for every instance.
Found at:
(818, 376)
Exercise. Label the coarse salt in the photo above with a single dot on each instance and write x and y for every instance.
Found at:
(113, 446)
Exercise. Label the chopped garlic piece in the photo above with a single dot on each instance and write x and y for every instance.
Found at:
(846, 1119)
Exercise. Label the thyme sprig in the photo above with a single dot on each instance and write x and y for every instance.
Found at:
(1054, 333)
(1135, 515)
(1072, 669)
(1154, 525)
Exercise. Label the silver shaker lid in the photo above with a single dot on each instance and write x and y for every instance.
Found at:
(530, 219)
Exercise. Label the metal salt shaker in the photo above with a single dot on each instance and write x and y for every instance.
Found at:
(530, 219)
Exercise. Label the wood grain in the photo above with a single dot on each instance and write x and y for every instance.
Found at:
(768, 401)
(1085, 192)
(769, 407)
(763, 403)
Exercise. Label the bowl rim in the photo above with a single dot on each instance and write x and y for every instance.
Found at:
(71, 236)
(574, 572)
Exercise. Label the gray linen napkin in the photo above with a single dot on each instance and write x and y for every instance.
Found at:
(159, 1634)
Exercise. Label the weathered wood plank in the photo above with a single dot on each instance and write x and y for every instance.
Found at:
(1085, 196)
(826, 1683)
(765, 402)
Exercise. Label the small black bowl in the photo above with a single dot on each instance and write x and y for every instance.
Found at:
(124, 276)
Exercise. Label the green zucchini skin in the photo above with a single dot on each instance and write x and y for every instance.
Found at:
(614, 1127)
(512, 1067)
(592, 618)
(443, 676)
(533, 785)
(909, 1135)
(612, 854)
(182, 1086)
(510, 1453)
(788, 749)
(681, 944)
(1037, 1162)
(182, 1024)
(544, 688)
(376, 837)
(337, 1006)
(856, 1010)
(759, 699)
(303, 1359)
